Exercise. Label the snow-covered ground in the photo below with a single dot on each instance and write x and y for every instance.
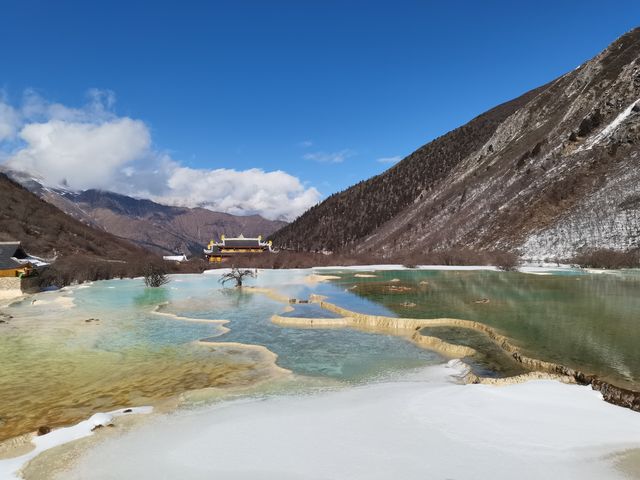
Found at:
(10, 467)
(420, 427)
(402, 267)
(540, 268)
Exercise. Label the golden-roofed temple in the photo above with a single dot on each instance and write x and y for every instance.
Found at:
(230, 246)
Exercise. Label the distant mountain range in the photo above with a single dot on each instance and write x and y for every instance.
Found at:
(47, 232)
(548, 174)
(160, 228)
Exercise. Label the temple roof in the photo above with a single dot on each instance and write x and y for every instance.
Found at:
(9, 251)
(242, 242)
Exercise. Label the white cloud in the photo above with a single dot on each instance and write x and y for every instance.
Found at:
(85, 155)
(389, 160)
(91, 147)
(305, 144)
(9, 121)
(275, 195)
(329, 157)
(98, 108)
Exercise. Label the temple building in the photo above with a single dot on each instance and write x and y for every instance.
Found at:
(228, 247)
(14, 261)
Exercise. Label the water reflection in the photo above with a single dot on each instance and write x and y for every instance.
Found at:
(591, 322)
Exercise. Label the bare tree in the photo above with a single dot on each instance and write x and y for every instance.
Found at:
(155, 276)
(237, 275)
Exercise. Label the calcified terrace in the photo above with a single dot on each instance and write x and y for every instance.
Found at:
(410, 328)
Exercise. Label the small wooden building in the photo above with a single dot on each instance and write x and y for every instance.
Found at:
(14, 260)
(228, 247)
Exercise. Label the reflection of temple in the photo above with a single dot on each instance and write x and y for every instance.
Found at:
(228, 247)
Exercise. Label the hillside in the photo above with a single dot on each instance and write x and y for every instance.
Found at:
(547, 174)
(47, 232)
(160, 228)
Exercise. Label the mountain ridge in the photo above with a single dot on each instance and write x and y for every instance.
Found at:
(525, 176)
(162, 229)
(46, 231)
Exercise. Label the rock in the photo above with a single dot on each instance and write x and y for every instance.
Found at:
(617, 395)
(482, 301)
(43, 430)
(400, 288)
(128, 410)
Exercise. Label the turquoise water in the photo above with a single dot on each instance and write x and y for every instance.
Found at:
(586, 321)
(309, 310)
(342, 354)
(98, 347)
(68, 354)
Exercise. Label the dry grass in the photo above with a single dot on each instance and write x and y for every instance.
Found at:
(289, 259)
(609, 259)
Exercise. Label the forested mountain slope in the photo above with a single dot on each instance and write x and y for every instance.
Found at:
(550, 173)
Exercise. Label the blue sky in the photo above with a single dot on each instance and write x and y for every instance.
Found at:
(319, 90)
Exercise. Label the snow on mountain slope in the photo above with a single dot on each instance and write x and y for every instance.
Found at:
(547, 174)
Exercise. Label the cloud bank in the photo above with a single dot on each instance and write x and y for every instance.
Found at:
(329, 157)
(389, 160)
(92, 147)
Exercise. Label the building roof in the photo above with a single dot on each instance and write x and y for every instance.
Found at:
(239, 243)
(9, 252)
(242, 242)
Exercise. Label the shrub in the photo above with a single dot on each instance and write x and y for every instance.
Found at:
(506, 261)
(237, 276)
(154, 276)
(607, 258)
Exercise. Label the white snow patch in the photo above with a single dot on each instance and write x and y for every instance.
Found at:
(10, 467)
(545, 269)
(609, 129)
(217, 271)
(402, 267)
(424, 426)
